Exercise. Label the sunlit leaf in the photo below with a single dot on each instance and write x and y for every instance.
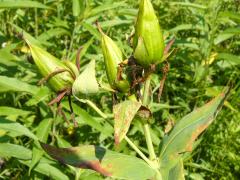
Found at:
(184, 133)
(123, 116)
(21, 4)
(16, 128)
(13, 84)
(13, 150)
(42, 134)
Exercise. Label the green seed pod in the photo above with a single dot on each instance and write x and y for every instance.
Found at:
(49, 66)
(112, 58)
(73, 68)
(148, 40)
(86, 83)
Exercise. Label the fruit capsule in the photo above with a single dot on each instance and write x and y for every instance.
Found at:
(49, 66)
(148, 40)
(112, 58)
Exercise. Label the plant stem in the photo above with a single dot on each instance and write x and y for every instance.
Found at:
(145, 101)
(149, 142)
(145, 97)
(36, 21)
(72, 40)
(93, 106)
(138, 151)
(158, 175)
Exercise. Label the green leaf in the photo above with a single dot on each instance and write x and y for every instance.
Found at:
(123, 115)
(86, 83)
(16, 128)
(106, 162)
(227, 34)
(62, 142)
(177, 172)
(92, 30)
(21, 4)
(231, 15)
(12, 84)
(55, 32)
(8, 111)
(88, 119)
(48, 170)
(12, 150)
(190, 5)
(185, 27)
(228, 60)
(7, 58)
(78, 7)
(105, 7)
(42, 94)
(222, 37)
(184, 133)
(115, 22)
(181, 43)
(23, 154)
(43, 129)
(42, 133)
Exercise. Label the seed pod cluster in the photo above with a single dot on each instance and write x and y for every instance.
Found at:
(148, 46)
(64, 75)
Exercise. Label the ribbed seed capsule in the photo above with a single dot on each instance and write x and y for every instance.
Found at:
(112, 58)
(148, 40)
(49, 65)
(73, 68)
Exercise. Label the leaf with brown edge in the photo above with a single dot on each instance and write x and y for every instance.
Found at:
(184, 133)
(123, 115)
(106, 162)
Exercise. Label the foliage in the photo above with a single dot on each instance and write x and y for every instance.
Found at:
(206, 59)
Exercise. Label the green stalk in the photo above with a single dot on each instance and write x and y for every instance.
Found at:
(145, 101)
(137, 150)
(93, 106)
(36, 22)
(72, 40)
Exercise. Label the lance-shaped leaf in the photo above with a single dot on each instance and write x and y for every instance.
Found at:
(123, 115)
(185, 132)
(21, 4)
(106, 162)
(86, 82)
(13, 84)
(16, 128)
(42, 133)
(45, 166)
